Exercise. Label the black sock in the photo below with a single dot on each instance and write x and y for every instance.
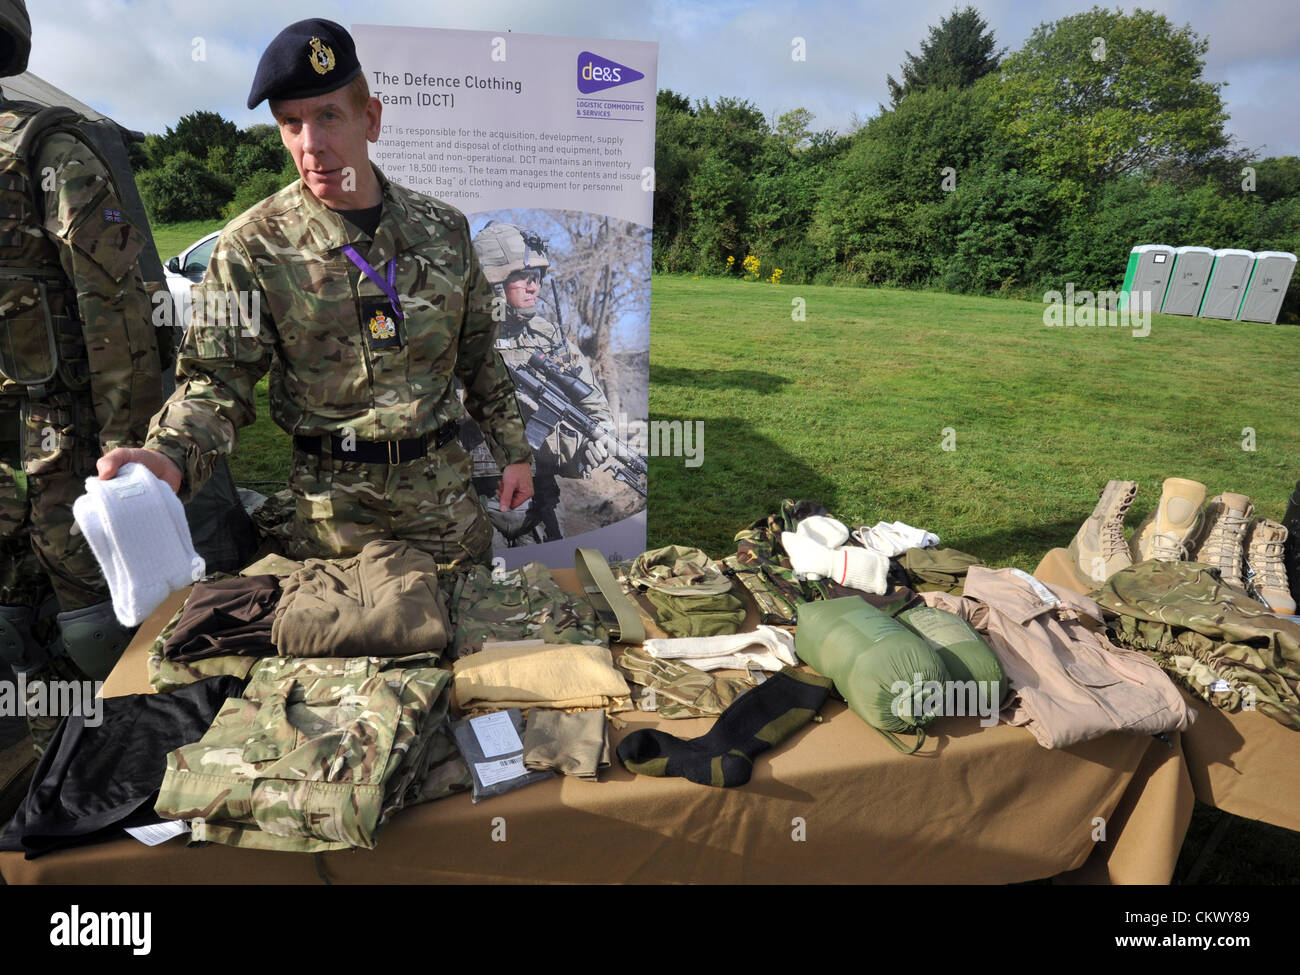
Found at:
(755, 721)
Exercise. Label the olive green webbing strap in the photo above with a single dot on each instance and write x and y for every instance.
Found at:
(616, 611)
(898, 745)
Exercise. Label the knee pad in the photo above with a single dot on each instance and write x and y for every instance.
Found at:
(19, 647)
(93, 638)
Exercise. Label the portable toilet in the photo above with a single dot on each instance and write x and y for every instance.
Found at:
(1227, 283)
(1187, 280)
(1148, 270)
(1267, 287)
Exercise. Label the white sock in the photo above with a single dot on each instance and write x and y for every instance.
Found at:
(894, 538)
(136, 528)
(857, 568)
(824, 530)
(766, 648)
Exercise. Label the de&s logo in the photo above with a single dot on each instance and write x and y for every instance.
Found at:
(596, 73)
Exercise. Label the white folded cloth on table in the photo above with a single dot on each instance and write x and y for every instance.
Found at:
(766, 648)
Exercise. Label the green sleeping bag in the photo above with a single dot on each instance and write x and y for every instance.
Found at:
(877, 663)
(965, 655)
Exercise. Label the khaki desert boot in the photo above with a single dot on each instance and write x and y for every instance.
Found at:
(1164, 534)
(1222, 541)
(1265, 565)
(1098, 548)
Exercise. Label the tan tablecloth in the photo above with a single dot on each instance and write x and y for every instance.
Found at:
(834, 804)
(1244, 763)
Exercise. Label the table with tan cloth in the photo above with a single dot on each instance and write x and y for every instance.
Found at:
(1244, 763)
(836, 803)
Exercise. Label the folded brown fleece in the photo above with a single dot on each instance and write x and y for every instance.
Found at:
(383, 602)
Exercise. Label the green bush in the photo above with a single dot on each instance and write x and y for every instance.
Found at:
(183, 189)
(257, 188)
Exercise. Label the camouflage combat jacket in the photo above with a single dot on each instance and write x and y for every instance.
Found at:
(286, 256)
(86, 252)
(317, 755)
(1226, 648)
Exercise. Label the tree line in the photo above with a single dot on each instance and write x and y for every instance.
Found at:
(987, 173)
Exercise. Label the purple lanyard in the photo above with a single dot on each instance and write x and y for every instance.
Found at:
(388, 287)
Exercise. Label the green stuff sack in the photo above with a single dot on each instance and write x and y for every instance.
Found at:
(690, 593)
(877, 664)
(966, 657)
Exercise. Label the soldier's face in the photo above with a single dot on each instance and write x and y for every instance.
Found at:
(522, 288)
(326, 136)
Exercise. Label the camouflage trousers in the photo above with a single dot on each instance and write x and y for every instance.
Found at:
(48, 447)
(317, 755)
(340, 504)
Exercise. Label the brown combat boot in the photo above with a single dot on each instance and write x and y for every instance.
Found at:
(1164, 534)
(1265, 566)
(1098, 548)
(1222, 542)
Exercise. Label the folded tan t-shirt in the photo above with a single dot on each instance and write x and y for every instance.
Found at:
(529, 674)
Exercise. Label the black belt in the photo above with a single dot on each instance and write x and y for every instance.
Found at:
(379, 451)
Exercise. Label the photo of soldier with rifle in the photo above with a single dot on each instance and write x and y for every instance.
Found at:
(568, 419)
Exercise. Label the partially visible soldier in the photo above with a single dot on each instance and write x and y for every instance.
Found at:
(514, 262)
(79, 372)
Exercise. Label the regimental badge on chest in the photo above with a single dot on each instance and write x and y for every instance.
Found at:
(381, 328)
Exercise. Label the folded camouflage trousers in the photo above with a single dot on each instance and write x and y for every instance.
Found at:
(317, 755)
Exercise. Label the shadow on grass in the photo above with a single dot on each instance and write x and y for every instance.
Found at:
(759, 382)
(1012, 542)
(743, 475)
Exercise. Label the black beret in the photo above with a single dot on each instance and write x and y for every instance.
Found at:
(306, 59)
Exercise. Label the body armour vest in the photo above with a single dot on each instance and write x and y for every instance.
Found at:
(41, 343)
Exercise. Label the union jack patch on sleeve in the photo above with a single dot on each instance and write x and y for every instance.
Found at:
(112, 216)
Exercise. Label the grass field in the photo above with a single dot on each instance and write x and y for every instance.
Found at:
(172, 238)
(854, 406)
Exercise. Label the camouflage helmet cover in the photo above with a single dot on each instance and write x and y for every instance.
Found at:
(15, 37)
(504, 248)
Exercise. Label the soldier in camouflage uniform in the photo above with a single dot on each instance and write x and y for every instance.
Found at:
(365, 302)
(79, 373)
(514, 262)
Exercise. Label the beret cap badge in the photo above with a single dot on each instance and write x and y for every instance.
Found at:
(322, 58)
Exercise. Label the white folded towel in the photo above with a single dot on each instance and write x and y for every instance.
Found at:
(136, 527)
(766, 648)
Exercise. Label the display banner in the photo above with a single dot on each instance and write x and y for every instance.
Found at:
(547, 145)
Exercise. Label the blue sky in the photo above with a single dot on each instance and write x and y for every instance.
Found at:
(132, 59)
